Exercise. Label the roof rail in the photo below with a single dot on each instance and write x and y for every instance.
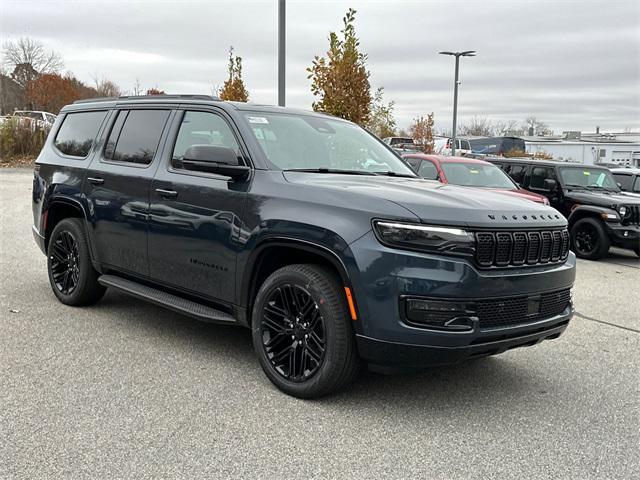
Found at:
(146, 97)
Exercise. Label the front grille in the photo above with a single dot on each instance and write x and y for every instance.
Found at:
(502, 249)
(633, 216)
(497, 313)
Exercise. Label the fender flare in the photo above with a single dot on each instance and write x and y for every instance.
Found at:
(282, 241)
(587, 211)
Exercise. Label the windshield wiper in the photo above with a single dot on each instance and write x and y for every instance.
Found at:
(575, 185)
(600, 187)
(391, 173)
(329, 170)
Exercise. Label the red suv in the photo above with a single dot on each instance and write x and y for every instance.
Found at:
(468, 172)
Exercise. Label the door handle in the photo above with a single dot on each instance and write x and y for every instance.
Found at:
(95, 180)
(166, 193)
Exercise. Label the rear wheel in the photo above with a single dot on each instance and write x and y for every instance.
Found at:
(71, 274)
(302, 332)
(589, 239)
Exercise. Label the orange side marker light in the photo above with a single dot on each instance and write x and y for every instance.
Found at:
(352, 308)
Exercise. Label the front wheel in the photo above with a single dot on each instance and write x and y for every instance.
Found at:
(71, 274)
(589, 239)
(302, 332)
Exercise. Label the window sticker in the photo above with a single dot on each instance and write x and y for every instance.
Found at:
(586, 173)
(473, 171)
(261, 120)
(258, 133)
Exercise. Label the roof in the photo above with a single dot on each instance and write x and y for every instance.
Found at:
(110, 102)
(630, 171)
(551, 163)
(446, 159)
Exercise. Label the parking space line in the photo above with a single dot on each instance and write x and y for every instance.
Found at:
(584, 317)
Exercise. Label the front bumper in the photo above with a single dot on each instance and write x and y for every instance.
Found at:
(383, 276)
(624, 236)
(473, 345)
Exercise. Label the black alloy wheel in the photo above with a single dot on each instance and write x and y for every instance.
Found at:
(586, 239)
(293, 333)
(65, 263)
(73, 279)
(589, 239)
(302, 331)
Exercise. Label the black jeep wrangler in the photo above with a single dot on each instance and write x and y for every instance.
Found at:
(303, 227)
(600, 214)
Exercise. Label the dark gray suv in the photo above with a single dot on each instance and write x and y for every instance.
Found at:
(303, 227)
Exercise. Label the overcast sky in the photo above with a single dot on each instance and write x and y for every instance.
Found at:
(574, 65)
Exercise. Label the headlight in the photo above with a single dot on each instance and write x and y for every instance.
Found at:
(622, 211)
(439, 239)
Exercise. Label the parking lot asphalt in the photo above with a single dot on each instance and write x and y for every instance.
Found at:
(125, 389)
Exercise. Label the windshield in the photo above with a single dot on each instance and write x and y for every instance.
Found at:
(295, 142)
(590, 178)
(476, 175)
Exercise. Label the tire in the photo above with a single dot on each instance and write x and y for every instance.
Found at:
(73, 279)
(316, 308)
(589, 239)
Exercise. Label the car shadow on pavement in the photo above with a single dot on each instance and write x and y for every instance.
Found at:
(483, 379)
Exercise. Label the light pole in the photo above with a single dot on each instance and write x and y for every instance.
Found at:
(468, 53)
(281, 51)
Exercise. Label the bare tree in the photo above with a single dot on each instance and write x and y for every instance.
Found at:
(508, 127)
(29, 55)
(106, 88)
(477, 126)
(533, 126)
(137, 88)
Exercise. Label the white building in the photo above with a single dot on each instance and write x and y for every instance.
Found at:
(622, 149)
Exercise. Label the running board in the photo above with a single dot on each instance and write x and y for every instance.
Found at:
(167, 300)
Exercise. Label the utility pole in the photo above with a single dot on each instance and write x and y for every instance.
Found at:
(468, 53)
(281, 51)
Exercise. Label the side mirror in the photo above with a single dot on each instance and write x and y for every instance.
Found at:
(550, 184)
(213, 159)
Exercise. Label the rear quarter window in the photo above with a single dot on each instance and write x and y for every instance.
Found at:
(77, 133)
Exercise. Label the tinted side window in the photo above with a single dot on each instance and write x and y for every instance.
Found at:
(202, 128)
(539, 175)
(517, 172)
(625, 181)
(135, 136)
(413, 162)
(77, 132)
(636, 185)
(428, 170)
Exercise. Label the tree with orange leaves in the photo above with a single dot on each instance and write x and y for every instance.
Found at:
(50, 92)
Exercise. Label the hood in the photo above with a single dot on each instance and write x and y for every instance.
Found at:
(534, 197)
(436, 203)
(602, 198)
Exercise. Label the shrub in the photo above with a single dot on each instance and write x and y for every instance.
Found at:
(514, 152)
(20, 139)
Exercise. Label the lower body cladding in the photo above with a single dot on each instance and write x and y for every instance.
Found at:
(419, 310)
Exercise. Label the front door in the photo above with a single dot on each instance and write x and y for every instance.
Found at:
(195, 217)
(537, 179)
(117, 186)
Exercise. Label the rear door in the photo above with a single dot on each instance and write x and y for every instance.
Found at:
(117, 186)
(195, 217)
